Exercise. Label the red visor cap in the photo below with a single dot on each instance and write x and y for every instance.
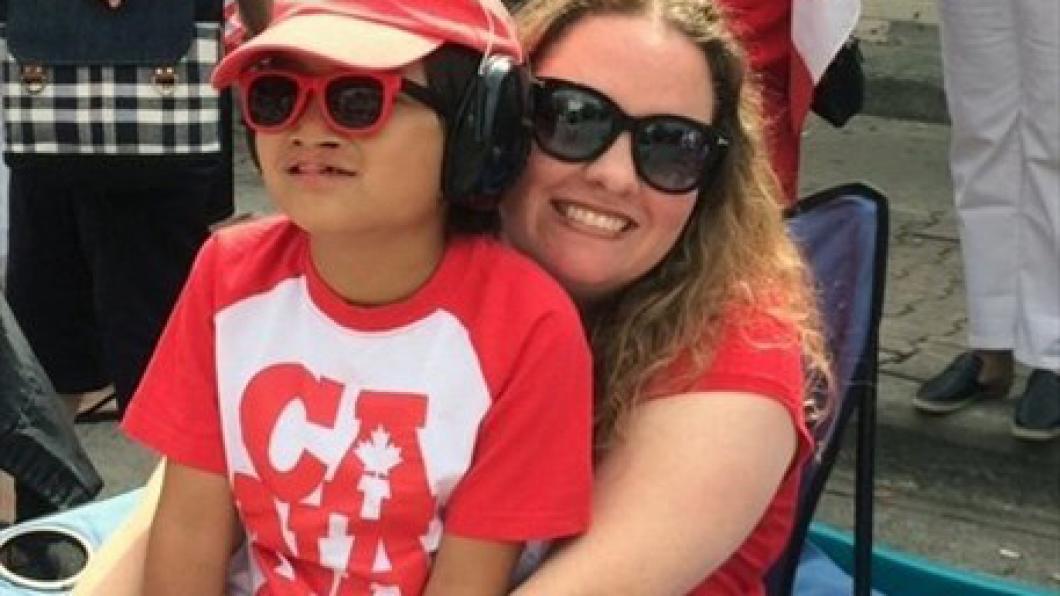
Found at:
(375, 34)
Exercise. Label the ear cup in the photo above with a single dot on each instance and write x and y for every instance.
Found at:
(489, 136)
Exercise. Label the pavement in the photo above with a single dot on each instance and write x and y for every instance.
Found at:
(903, 70)
(957, 489)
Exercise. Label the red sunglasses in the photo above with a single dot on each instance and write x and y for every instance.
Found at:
(354, 102)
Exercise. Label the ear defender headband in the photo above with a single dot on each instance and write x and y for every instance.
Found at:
(488, 136)
(488, 139)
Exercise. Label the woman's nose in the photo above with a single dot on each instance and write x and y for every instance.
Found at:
(614, 170)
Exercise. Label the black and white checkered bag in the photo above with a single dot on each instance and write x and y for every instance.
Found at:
(121, 109)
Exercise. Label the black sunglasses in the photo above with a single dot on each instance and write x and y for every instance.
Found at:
(671, 153)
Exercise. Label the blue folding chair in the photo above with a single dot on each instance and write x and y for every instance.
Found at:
(843, 233)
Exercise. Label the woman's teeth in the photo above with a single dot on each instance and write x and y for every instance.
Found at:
(594, 219)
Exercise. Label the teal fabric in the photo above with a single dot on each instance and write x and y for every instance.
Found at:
(95, 522)
(900, 574)
(818, 575)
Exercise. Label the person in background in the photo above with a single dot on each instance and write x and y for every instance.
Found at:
(1001, 70)
(102, 236)
(790, 44)
(764, 28)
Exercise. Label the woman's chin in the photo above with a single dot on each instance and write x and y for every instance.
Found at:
(584, 281)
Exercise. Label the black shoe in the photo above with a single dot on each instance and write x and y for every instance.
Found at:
(1038, 413)
(957, 386)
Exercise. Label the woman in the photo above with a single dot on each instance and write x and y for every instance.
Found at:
(694, 298)
(696, 301)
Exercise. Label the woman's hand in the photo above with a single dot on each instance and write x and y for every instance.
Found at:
(113, 4)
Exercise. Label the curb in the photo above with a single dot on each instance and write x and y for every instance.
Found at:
(973, 444)
(903, 72)
(901, 99)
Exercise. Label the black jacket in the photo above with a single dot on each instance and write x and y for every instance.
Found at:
(37, 441)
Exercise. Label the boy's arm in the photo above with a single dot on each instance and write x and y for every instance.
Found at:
(192, 536)
(472, 567)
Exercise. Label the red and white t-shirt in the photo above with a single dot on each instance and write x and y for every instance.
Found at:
(352, 435)
(756, 354)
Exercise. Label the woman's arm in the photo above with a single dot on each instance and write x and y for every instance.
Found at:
(683, 490)
(472, 567)
(193, 534)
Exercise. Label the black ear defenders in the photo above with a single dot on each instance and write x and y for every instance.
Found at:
(488, 137)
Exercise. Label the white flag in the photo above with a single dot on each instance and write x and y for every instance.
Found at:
(819, 28)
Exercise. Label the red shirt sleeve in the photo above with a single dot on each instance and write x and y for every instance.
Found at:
(756, 353)
(531, 472)
(175, 408)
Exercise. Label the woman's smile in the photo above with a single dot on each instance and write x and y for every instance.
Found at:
(592, 220)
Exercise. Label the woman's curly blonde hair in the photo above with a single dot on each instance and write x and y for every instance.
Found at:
(733, 255)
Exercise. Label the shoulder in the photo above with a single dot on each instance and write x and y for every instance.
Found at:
(752, 350)
(500, 277)
(758, 328)
(756, 341)
(251, 257)
(246, 238)
(507, 264)
(514, 312)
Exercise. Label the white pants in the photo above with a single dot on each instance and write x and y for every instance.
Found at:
(1002, 78)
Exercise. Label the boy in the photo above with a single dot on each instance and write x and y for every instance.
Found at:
(369, 386)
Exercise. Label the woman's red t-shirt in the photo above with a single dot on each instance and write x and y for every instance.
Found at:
(759, 355)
